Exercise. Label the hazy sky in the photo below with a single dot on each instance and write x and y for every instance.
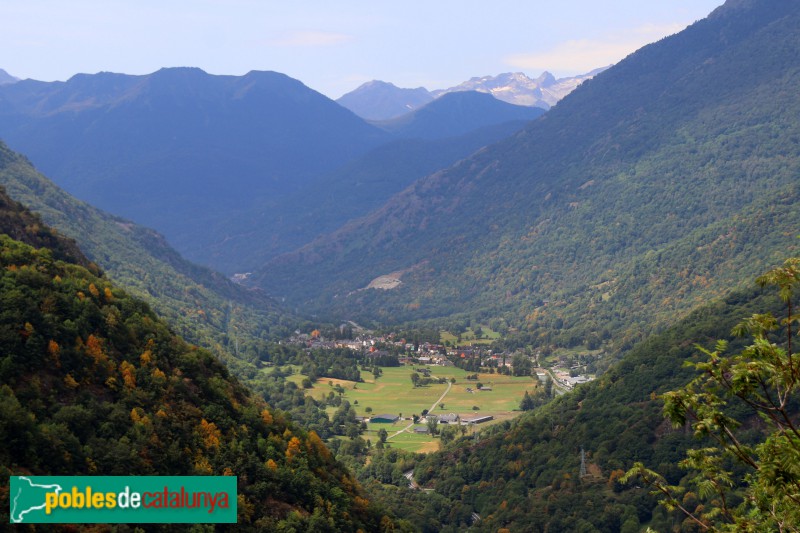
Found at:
(334, 46)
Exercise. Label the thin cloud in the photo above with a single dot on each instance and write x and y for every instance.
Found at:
(582, 55)
(311, 38)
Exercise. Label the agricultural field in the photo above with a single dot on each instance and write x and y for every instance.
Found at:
(393, 393)
(406, 440)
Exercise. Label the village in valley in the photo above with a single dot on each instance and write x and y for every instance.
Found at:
(415, 393)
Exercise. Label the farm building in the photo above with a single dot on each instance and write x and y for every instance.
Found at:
(476, 419)
(451, 418)
(384, 419)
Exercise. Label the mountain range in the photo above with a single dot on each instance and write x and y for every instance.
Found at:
(380, 100)
(211, 161)
(664, 181)
(179, 148)
(518, 89)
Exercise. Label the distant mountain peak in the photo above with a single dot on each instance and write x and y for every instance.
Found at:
(180, 69)
(519, 89)
(5, 77)
(372, 84)
(546, 79)
(376, 83)
(381, 100)
(183, 76)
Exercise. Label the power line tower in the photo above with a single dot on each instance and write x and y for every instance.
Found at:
(583, 462)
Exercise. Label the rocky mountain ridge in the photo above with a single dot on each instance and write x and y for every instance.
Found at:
(380, 100)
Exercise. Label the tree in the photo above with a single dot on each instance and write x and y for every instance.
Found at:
(353, 431)
(527, 402)
(433, 425)
(415, 379)
(383, 435)
(763, 378)
(548, 387)
(449, 434)
(522, 365)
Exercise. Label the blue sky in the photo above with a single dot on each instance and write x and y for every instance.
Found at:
(334, 46)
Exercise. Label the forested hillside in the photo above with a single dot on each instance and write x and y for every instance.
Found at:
(22, 225)
(94, 383)
(665, 180)
(201, 305)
